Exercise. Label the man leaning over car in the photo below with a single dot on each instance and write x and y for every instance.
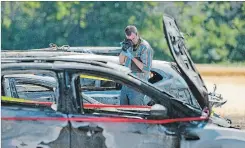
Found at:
(139, 59)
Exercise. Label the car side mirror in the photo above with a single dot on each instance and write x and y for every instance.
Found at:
(158, 111)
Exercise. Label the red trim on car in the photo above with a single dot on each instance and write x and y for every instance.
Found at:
(107, 119)
(114, 106)
(96, 105)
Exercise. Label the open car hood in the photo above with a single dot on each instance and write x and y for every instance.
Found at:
(182, 58)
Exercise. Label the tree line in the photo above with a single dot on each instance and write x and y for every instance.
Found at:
(214, 31)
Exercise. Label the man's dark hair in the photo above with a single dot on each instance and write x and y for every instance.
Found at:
(129, 29)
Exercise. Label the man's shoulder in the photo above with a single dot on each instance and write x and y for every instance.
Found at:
(145, 43)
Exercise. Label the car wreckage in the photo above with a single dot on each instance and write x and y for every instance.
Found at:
(65, 98)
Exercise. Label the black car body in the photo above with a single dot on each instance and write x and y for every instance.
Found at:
(67, 120)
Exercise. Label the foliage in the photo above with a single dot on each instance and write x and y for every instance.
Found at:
(215, 31)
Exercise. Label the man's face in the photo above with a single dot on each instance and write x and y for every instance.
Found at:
(133, 38)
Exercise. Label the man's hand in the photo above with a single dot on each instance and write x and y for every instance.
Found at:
(131, 57)
(127, 54)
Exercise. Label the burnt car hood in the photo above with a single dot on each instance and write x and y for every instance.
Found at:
(176, 44)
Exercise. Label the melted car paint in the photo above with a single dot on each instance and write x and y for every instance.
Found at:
(122, 135)
(30, 133)
(215, 136)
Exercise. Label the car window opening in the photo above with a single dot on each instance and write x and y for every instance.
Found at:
(155, 77)
(29, 89)
(107, 92)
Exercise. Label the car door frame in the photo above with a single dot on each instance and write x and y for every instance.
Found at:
(32, 113)
(94, 123)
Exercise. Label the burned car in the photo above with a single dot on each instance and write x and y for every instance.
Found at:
(56, 110)
(70, 121)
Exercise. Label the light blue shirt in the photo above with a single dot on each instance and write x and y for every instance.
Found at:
(145, 53)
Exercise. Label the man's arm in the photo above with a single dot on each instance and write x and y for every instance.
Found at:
(138, 63)
(123, 55)
(146, 59)
(122, 59)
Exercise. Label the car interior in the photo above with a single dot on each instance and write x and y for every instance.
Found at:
(94, 89)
